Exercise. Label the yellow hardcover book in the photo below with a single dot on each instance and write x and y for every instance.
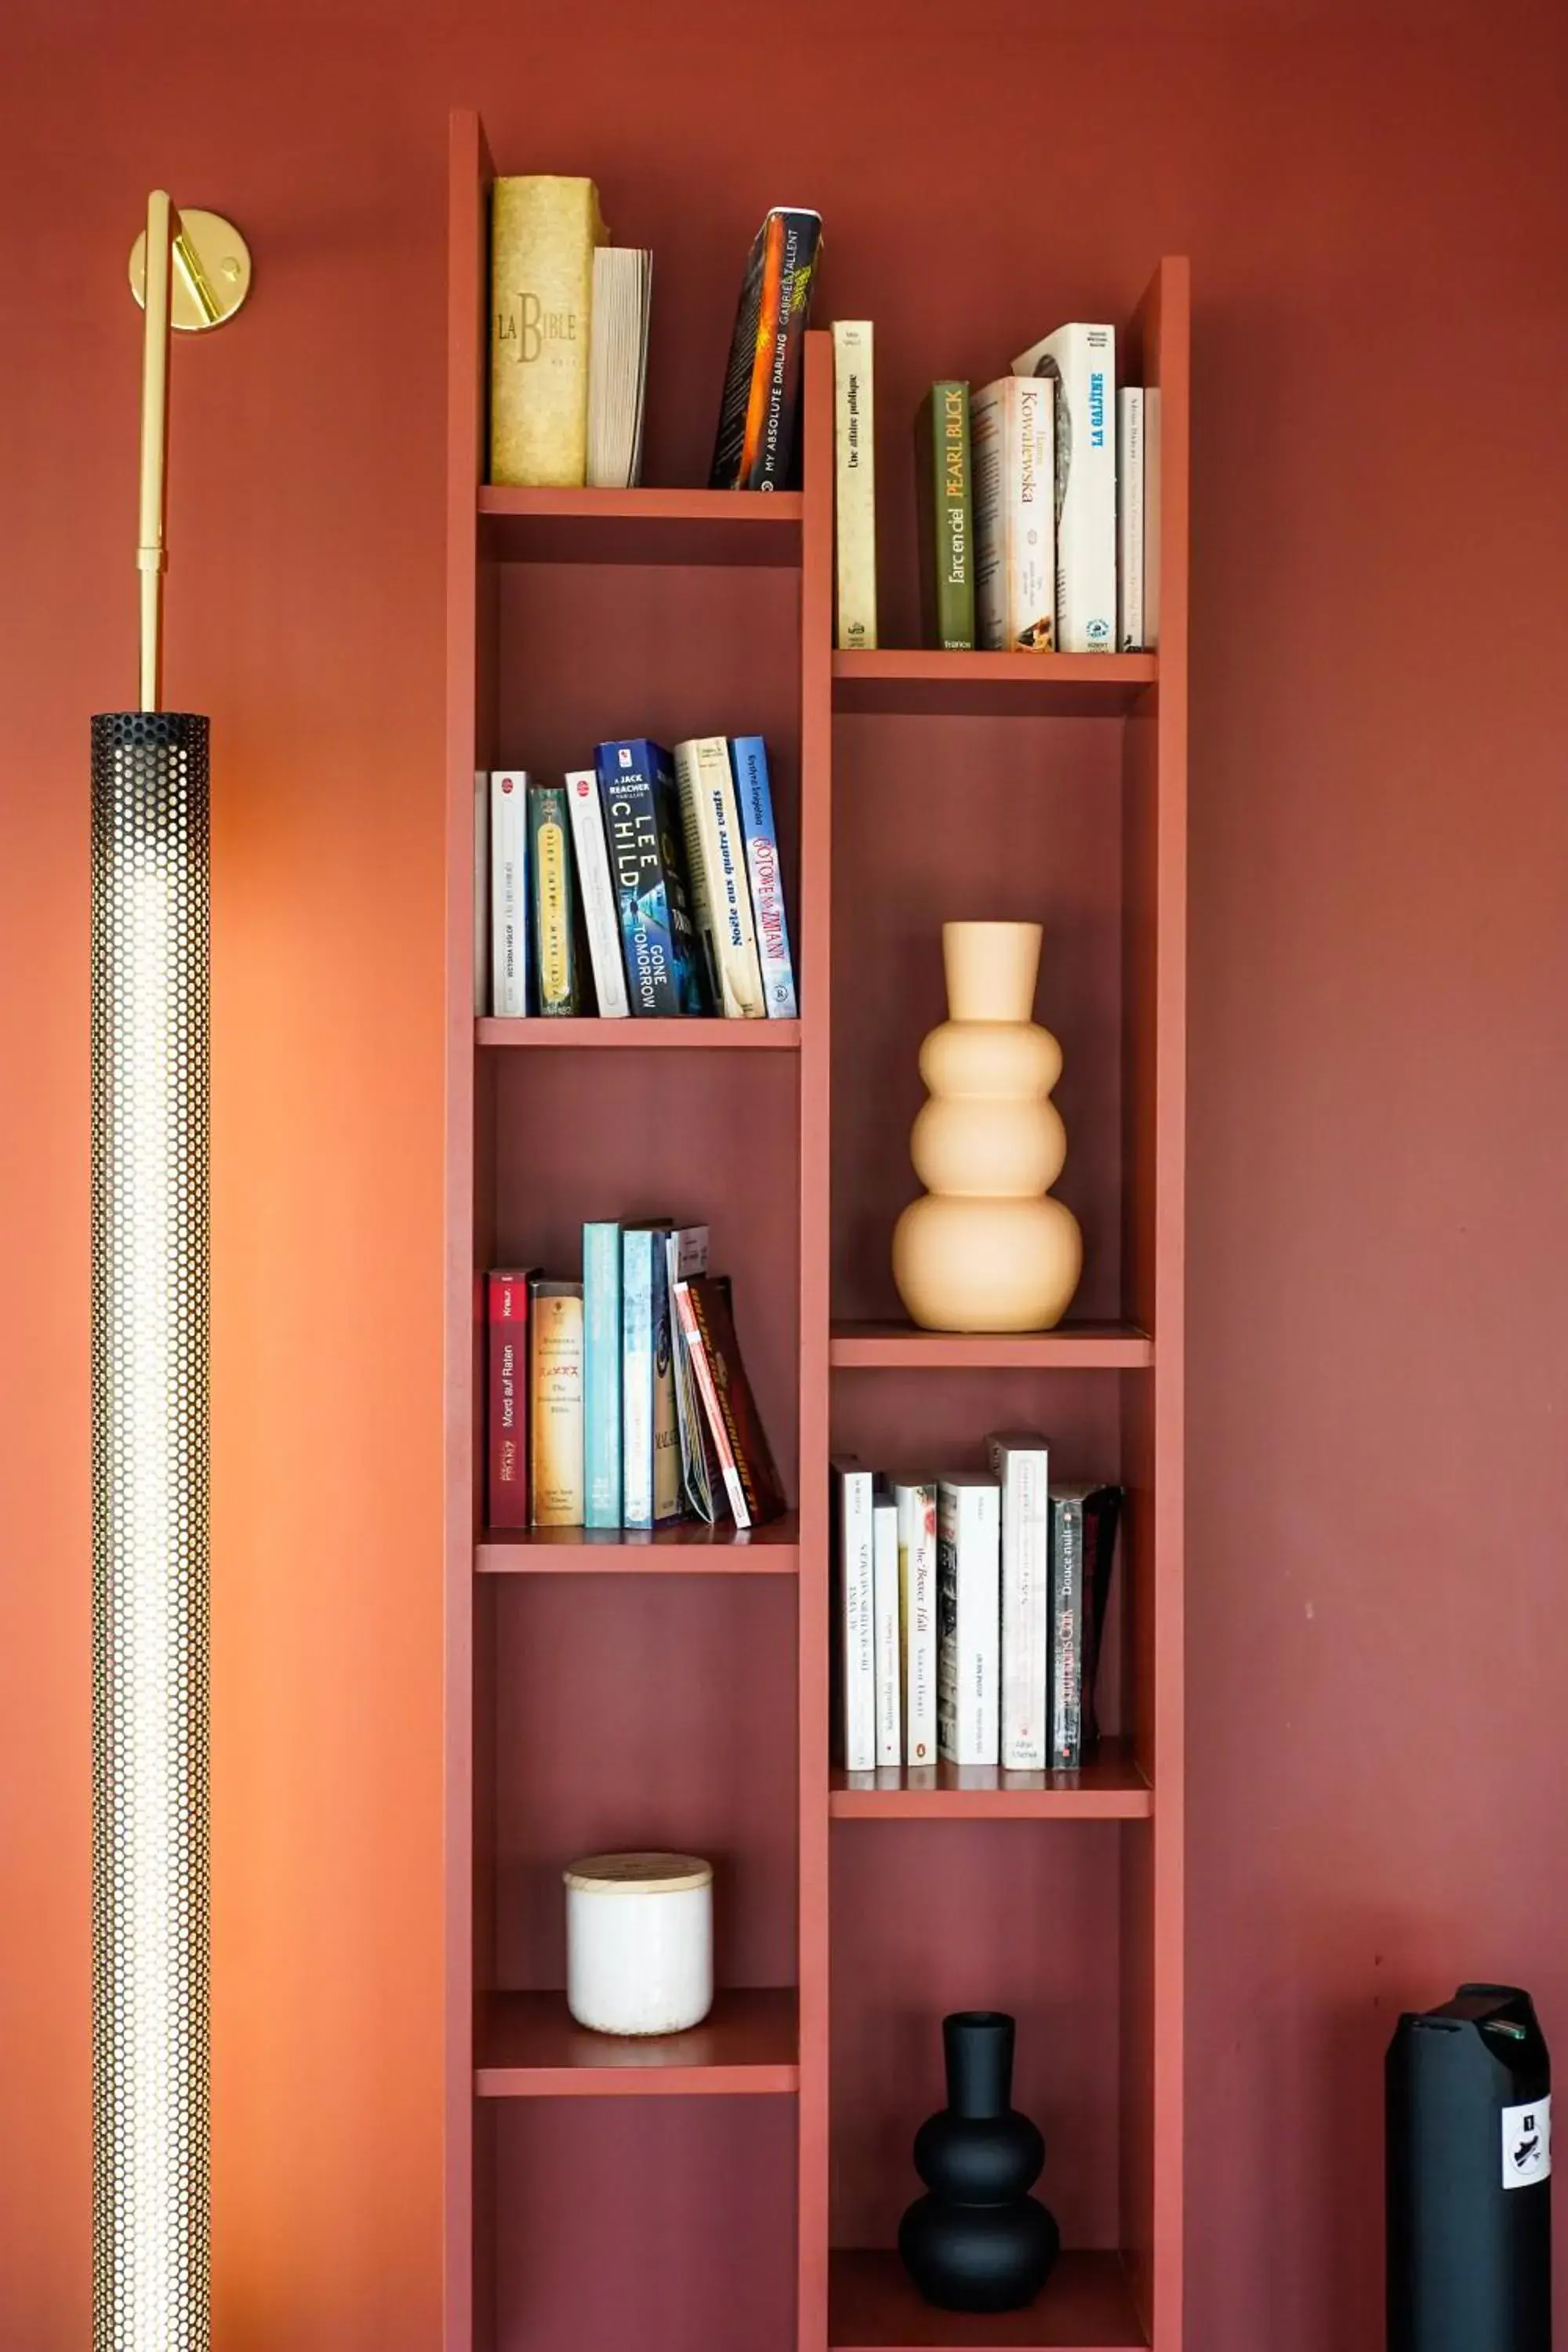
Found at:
(856, 485)
(544, 234)
(555, 1419)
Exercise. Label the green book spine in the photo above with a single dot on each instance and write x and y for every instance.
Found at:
(554, 926)
(945, 490)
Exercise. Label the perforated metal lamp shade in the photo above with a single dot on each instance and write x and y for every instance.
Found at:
(149, 1570)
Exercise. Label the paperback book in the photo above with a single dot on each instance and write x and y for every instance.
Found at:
(617, 365)
(942, 488)
(1081, 361)
(1014, 528)
(855, 484)
(508, 892)
(506, 1501)
(555, 1403)
(648, 1399)
(885, 1628)
(854, 1604)
(969, 1568)
(554, 908)
(716, 864)
(686, 1255)
(596, 894)
(1020, 1464)
(1130, 471)
(915, 1501)
(636, 785)
(602, 1375)
(754, 799)
(755, 447)
(750, 1479)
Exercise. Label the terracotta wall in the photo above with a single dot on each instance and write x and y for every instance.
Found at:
(1379, 1648)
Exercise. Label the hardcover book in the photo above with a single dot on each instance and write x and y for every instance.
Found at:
(1010, 433)
(753, 796)
(1129, 518)
(509, 893)
(854, 1714)
(885, 1628)
(855, 486)
(942, 488)
(554, 908)
(555, 1403)
(915, 1499)
(601, 920)
(716, 867)
(544, 234)
(750, 1477)
(506, 1499)
(969, 1617)
(1081, 361)
(643, 1314)
(1020, 1463)
(1083, 1542)
(755, 447)
(602, 1375)
(642, 822)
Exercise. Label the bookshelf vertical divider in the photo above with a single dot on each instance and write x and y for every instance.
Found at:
(537, 2114)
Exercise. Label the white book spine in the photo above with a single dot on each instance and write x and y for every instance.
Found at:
(969, 1614)
(855, 1604)
(1010, 439)
(1082, 360)
(1022, 1467)
(1129, 518)
(716, 856)
(508, 892)
(600, 917)
(1151, 518)
(916, 1505)
(988, 513)
(482, 917)
(887, 1645)
(855, 481)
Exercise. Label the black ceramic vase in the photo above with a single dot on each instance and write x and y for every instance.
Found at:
(979, 2241)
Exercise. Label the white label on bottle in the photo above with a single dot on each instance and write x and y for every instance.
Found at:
(1527, 2144)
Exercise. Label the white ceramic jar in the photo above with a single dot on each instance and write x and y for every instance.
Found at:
(640, 1941)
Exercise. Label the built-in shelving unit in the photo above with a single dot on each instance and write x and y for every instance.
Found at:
(740, 2184)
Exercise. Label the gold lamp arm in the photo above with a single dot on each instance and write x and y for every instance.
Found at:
(152, 555)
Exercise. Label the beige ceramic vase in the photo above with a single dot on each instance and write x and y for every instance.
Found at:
(985, 1250)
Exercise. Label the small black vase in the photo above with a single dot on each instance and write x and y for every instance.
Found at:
(979, 2241)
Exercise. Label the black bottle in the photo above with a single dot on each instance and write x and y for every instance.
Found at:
(979, 2241)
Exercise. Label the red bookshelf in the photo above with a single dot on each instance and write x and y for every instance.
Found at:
(743, 2183)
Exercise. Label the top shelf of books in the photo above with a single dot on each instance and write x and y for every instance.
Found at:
(645, 527)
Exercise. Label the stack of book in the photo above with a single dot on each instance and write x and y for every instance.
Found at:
(641, 885)
(620, 1399)
(968, 1611)
(1038, 502)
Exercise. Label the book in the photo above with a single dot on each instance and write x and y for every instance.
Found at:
(1152, 518)
(482, 916)
(1083, 1542)
(754, 448)
(750, 1477)
(544, 234)
(617, 365)
(1010, 443)
(555, 912)
(753, 797)
(684, 1255)
(596, 893)
(1081, 361)
(644, 1312)
(855, 486)
(969, 1617)
(601, 1375)
(555, 1403)
(642, 823)
(1101, 1518)
(1020, 1461)
(943, 489)
(854, 1711)
(915, 1500)
(887, 1647)
(509, 893)
(1129, 518)
(716, 868)
(506, 1400)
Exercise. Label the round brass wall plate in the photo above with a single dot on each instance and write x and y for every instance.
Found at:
(211, 273)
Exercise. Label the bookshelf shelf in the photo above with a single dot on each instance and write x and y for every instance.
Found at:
(681, 1550)
(672, 1689)
(1085, 2306)
(672, 526)
(1110, 1788)
(592, 1034)
(529, 2046)
(1071, 1348)
(1033, 685)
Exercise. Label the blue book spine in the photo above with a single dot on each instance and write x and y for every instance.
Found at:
(642, 1272)
(602, 1375)
(748, 756)
(636, 783)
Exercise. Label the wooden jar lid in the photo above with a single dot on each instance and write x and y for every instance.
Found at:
(637, 1874)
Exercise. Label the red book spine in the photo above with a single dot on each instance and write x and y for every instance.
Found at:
(507, 1404)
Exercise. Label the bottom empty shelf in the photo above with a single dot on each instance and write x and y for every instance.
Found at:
(529, 2046)
(1085, 2306)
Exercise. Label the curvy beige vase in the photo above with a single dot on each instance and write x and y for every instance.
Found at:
(985, 1250)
